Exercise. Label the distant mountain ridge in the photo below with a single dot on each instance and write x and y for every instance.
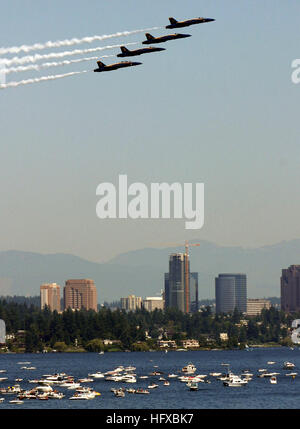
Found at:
(141, 272)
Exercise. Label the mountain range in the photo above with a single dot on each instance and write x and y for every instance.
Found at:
(141, 272)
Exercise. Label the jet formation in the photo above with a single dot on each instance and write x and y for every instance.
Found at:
(125, 52)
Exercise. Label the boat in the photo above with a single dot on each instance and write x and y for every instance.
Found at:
(2, 399)
(119, 393)
(292, 374)
(3, 378)
(193, 385)
(152, 386)
(142, 391)
(16, 401)
(166, 383)
(273, 380)
(173, 375)
(97, 375)
(288, 365)
(130, 390)
(235, 381)
(189, 369)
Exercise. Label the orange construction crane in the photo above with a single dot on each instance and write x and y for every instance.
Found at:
(187, 277)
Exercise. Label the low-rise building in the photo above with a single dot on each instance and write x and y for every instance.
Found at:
(167, 343)
(255, 306)
(151, 303)
(223, 336)
(189, 344)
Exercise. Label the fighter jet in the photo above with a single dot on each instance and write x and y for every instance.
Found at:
(102, 67)
(178, 24)
(151, 39)
(127, 53)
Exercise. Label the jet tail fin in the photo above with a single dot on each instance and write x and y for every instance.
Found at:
(124, 49)
(173, 20)
(100, 64)
(149, 36)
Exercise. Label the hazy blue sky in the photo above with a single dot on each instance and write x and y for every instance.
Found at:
(218, 108)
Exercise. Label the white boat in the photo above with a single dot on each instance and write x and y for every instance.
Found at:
(288, 365)
(189, 369)
(235, 381)
(3, 378)
(85, 380)
(273, 380)
(2, 399)
(173, 375)
(97, 375)
(292, 374)
(152, 386)
(16, 401)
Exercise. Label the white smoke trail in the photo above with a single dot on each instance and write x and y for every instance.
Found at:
(70, 42)
(40, 79)
(37, 57)
(38, 67)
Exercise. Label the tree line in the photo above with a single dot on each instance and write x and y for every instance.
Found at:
(141, 329)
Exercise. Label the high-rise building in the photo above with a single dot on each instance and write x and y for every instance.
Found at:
(131, 303)
(177, 282)
(290, 289)
(231, 293)
(193, 292)
(79, 294)
(152, 303)
(50, 296)
(2, 331)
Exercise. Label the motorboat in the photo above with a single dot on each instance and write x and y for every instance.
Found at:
(193, 385)
(273, 380)
(152, 386)
(173, 375)
(142, 391)
(189, 369)
(166, 383)
(292, 374)
(119, 393)
(85, 380)
(235, 381)
(288, 365)
(16, 401)
(10, 390)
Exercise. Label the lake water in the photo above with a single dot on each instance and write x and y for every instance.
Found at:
(259, 393)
